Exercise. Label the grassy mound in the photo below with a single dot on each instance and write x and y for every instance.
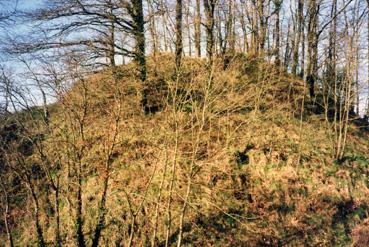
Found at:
(230, 153)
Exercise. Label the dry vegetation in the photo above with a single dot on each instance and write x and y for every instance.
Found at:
(258, 141)
(230, 158)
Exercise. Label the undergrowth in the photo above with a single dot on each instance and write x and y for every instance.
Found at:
(261, 169)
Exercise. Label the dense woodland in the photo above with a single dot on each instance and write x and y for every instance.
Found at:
(187, 122)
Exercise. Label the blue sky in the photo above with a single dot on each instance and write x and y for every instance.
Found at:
(27, 4)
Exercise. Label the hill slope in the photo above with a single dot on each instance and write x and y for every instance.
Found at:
(225, 158)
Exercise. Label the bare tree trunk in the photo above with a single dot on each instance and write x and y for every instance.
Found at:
(152, 28)
(209, 6)
(331, 63)
(112, 37)
(139, 33)
(302, 70)
(188, 27)
(346, 113)
(277, 31)
(332, 43)
(357, 89)
(263, 26)
(255, 29)
(220, 40)
(229, 48)
(79, 220)
(164, 27)
(346, 88)
(179, 39)
(231, 33)
(312, 47)
(299, 35)
(355, 106)
(245, 47)
(287, 49)
(198, 29)
(58, 240)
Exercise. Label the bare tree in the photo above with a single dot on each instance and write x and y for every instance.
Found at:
(312, 68)
(209, 6)
(179, 33)
(277, 43)
(135, 10)
(299, 35)
(198, 28)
